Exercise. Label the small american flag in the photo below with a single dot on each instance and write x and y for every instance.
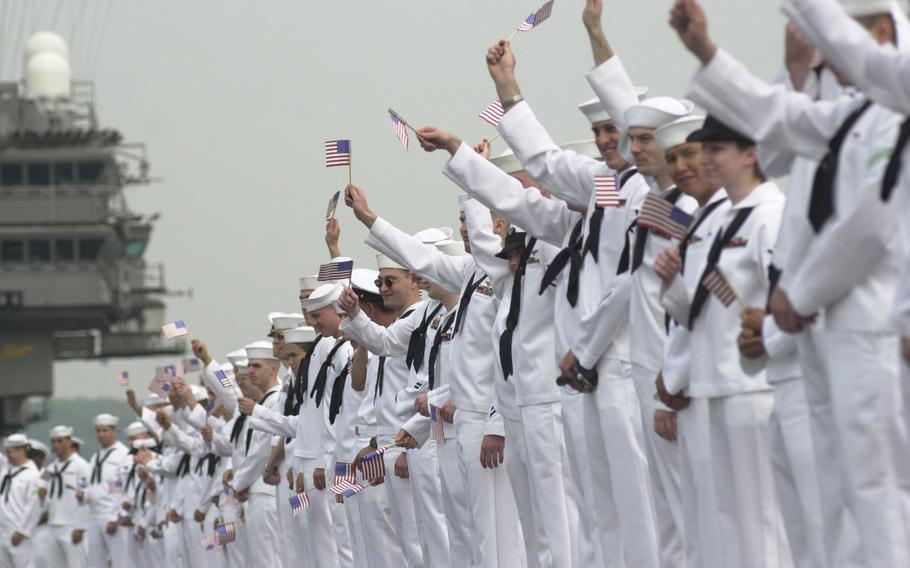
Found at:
(162, 384)
(211, 542)
(337, 153)
(123, 379)
(299, 503)
(115, 487)
(345, 483)
(191, 365)
(229, 498)
(437, 426)
(606, 191)
(537, 17)
(336, 271)
(224, 379)
(657, 214)
(226, 532)
(400, 129)
(174, 329)
(718, 285)
(333, 204)
(493, 113)
(373, 465)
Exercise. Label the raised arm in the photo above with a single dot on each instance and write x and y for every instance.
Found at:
(485, 244)
(881, 71)
(389, 341)
(447, 271)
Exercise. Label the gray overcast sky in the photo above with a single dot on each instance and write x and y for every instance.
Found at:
(235, 100)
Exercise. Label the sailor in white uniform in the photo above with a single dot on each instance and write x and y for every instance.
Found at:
(68, 517)
(107, 541)
(20, 508)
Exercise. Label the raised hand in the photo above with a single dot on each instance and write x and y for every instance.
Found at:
(356, 199)
(484, 149)
(332, 233)
(246, 405)
(591, 16)
(799, 57)
(133, 402)
(501, 65)
(688, 19)
(432, 139)
(163, 419)
(201, 351)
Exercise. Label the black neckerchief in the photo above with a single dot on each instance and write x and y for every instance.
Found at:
(321, 377)
(701, 293)
(434, 349)
(212, 460)
(303, 375)
(8, 483)
(183, 467)
(570, 255)
(338, 393)
(417, 344)
(380, 376)
(892, 172)
(249, 431)
(57, 479)
(505, 340)
(592, 243)
(821, 201)
(466, 299)
(99, 463)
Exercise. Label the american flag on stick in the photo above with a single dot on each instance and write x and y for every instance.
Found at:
(493, 113)
(340, 270)
(123, 379)
(606, 191)
(537, 18)
(299, 503)
(337, 153)
(660, 216)
(163, 383)
(191, 365)
(436, 425)
(175, 329)
(333, 204)
(716, 283)
(399, 125)
(211, 542)
(373, 465)
(345, 483)
(226, 532)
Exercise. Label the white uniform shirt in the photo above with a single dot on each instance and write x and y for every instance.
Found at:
(472, 361)
(103, 493)
(66, 479)
(339, 437)
(307, 442)
(249, 464)
(20, 507)
(603, 298)
(717, 368)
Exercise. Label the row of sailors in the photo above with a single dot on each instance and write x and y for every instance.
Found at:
(685, 432)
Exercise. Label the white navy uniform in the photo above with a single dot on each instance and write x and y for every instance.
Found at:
(496, 535)
(855, 340)
(623, 499)
(65, 513)
(101, 496)
(539, 430)
(19, 512)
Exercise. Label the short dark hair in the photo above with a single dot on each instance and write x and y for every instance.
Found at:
(373, 299)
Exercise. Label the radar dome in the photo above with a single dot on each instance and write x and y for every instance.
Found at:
(46, 41)
(47, 76)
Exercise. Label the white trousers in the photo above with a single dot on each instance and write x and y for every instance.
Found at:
(375, 541)
(621, 479)
(19, 556)
(214, 558)
(316, 522)
(192, 533)
(663, 461)
(453, 480)
(262, 531)
(103, 547)
(287, 525)
(795, 474)
(729, 499)
(862, 393)
(152, 554)
(63, 553)
(42, 544)
(537, 464)
(339, 520)
(429, 508)
(401, 505)
(497, 531)
(581, 488)
(174, 554)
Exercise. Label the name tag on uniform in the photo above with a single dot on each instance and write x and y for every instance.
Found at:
(436, 321)
(736, 242)
(485, 290)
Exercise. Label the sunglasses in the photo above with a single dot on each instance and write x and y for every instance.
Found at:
(388, 281)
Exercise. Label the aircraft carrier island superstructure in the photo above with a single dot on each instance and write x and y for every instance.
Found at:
(73, 280)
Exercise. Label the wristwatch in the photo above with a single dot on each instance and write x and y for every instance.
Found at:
(511, 101)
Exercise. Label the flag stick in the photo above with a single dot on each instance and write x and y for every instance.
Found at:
(403, 120)
(739, 299)
(511, 37)
(495, 136)
(350, 162)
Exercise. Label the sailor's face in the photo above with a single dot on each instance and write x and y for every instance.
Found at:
(295, 354)
(684, 163)
(60, 446)
(648, 155)
(394, 287)
(107, 435)
(326, 321)
(607, 138)
(724, 162)
(463, 229)
(278, 345)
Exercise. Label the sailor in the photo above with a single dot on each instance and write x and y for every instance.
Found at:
(42, 538)
(20, 510)
(68, 517)
(852, 137)
(479, 428)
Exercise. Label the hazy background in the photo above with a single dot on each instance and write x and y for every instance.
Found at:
(235, 99)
